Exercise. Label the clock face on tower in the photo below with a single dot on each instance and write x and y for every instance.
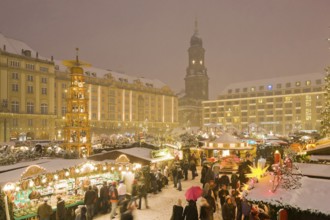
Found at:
(80, 84)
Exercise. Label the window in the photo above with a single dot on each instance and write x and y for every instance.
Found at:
(44, 69)
(44, 80)
(30, 78)
(288, 85)
(14, 87)
(15, 106)
(318, 82)
(237, 90)
(29, 66)
(297, 83)
(253, 89)
(44, 108)
(63, 110)
(63, 86)
(30, 122)
(270, 87)
(30, 107)
(44, 91)
(229, 91)
(308, 114)
(245, 89)
(14, 75)
(44, 122)
(14, 63)
(308, 83)
(261, 88)
(30, 89)
(15, 122)
(278, 86)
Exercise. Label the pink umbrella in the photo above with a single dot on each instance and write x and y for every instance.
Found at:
(193, 193)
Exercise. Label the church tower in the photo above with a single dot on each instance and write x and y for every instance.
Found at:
(196, 80)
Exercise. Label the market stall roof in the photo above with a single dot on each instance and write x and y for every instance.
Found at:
(12, 173)
(316, 190)
(145, 154)
(226, 138)
(228, 148)
(322, 149)
(314, 170)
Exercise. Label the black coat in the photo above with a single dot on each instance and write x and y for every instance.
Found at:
(177, 213)
(90, 197)
(228, 212)
(60, 210)
(190, 211)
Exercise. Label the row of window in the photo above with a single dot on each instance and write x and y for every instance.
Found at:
(30, 90)
(30, 78)
(29, 107)
(278, 86)
(28, 66)
(30, 122)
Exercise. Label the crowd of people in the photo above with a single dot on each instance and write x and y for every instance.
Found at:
(222, 194)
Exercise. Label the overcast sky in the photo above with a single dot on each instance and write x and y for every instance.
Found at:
(244, 40)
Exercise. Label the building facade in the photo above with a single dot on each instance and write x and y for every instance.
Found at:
(196, 83)
(280, 105)
(34, 89)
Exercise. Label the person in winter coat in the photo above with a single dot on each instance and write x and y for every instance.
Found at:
(143, 194)
(113, 199)
(44, 210)
(190, 211)
(246, 208)
(60, 209)
(89, 200)
(122, 190)
(135, 192)
(234, 180)
(208, 208)
(177, 213)
(104, 197)
(228, 210)
(193, 169)
(224, 179)
(174, 175)
(82, 214)
(128, 215)
(223, 193)
(185, 169)
(203, 174)
(179, 178)
(209, 176)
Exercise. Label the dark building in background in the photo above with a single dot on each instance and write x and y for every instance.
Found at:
(196, 84)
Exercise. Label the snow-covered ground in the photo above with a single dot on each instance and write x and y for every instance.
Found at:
(161, 204)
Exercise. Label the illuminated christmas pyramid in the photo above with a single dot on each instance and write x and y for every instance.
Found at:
(77, 128)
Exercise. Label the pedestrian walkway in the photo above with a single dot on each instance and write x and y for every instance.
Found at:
(161, 204)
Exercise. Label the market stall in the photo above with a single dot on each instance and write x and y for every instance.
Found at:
(36, 183)
(227, 151)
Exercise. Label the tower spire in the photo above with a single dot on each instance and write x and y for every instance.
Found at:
(77, 56)
(196, 26)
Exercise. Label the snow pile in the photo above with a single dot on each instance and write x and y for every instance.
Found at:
(313, 195)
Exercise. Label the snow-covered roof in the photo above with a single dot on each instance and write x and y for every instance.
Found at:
(101, 73)
(12, 173)
(16, 46)
(144, 153)
(272, 82)
(226, 138)
(313, 195)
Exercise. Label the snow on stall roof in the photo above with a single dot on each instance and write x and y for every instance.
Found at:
(143, 153)
(274, 81)
(316, 170)
(15, 46)
(101, 73)
(51, 165)
(314, 194)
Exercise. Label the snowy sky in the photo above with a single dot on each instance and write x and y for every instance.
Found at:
(243, 39)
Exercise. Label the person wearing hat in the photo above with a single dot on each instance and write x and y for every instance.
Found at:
(60, 208)
(44, 210)
(89, 201)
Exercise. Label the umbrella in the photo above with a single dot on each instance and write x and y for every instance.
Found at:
(193, 193)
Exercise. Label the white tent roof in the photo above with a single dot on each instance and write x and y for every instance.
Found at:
(226, 138)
